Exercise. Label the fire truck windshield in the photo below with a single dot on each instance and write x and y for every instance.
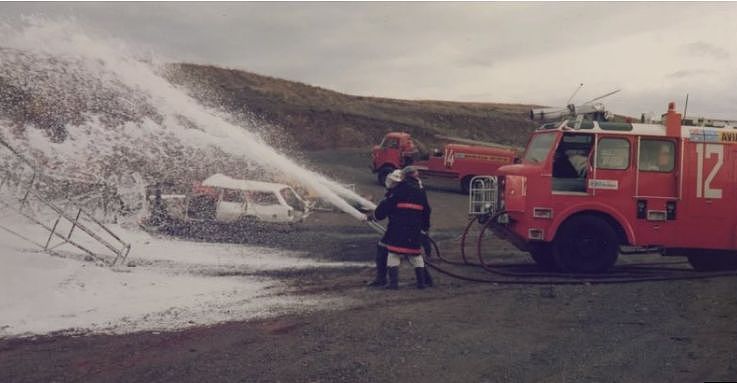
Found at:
(539, 147)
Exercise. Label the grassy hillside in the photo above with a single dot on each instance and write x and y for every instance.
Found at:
(313, 118)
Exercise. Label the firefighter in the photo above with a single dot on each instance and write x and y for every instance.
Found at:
(408, 211)
(660, 158)
(579, 160)
(392, 180)
(665, 158)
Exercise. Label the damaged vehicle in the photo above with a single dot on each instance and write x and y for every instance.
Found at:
(227, 200)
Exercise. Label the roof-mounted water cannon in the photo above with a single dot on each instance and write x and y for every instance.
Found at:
(591, 109)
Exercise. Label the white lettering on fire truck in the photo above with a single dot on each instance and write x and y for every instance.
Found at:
(484, 157)
(449, 158)
(703, 186)
(603, 184)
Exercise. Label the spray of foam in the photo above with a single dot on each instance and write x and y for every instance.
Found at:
(119, 63)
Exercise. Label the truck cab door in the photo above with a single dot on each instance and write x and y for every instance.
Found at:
(612, 176)
(656, 189)
(390, 152)
(571, 163)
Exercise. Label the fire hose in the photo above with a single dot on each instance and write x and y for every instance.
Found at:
(546, 278)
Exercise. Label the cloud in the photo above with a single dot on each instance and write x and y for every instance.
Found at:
(705, 49)
(505, 52)
(683, 73)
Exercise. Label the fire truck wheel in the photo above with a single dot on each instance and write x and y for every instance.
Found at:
(711, 261)
(382, 173)
(543, 257)
(586, 244)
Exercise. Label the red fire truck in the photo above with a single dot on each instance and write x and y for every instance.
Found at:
(583, 189)
(455, 163)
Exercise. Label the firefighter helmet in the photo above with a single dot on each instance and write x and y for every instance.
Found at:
(393, 178)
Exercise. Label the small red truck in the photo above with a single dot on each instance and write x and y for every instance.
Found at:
(454, 163)
(583, 189)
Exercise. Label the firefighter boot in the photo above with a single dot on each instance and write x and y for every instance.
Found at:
(381, 256)
(420, 275)
(428, 278)
(393, 278)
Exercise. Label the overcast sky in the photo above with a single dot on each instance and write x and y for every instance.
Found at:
(489, 52)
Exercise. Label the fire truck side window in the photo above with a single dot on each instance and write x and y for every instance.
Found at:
(571, 157)
(571, 161)
(657, 155)
(614, 154)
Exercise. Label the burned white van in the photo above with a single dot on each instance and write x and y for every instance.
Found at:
(243, 200)
(223, 199)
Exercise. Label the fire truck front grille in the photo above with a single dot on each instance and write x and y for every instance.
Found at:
(483, 195)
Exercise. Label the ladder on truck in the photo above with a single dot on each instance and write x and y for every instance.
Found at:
(56, 225)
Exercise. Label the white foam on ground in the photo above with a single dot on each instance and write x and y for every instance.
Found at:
(176, 285)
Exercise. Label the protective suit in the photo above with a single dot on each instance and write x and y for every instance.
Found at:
(408, 211)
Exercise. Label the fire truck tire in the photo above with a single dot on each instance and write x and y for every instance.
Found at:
(543, 257)
(382, 173)
(466, 184)
(586, 244)
(712, 261)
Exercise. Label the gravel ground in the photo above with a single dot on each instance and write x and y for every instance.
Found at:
(682, 331)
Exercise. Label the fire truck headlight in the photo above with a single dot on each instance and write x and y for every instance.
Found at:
(542, 212)
(536, 234)
(503, 219)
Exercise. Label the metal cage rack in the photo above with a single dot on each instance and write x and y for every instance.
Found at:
(67, 224)
(483, 195)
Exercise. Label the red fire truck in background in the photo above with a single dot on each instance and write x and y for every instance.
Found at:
(455, 163)
(584, 188)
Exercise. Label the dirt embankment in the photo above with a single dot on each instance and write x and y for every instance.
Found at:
(312, 118)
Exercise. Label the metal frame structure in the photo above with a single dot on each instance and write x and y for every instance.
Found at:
(81, 221)
(483, 195)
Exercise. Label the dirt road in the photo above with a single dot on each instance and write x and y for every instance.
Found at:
(455, 332)
(667, 331)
